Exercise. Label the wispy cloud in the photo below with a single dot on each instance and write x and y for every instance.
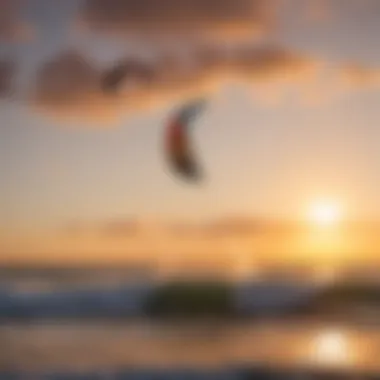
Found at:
(359, 76)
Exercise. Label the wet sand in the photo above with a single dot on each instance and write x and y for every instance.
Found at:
(93, 346)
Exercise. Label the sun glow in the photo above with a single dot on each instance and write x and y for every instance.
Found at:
(331, 348)
(325, 213)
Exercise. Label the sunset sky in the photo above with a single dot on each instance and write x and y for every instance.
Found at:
(282, 130)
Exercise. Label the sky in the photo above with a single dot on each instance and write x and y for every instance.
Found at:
(293, 90)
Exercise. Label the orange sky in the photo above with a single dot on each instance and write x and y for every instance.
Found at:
(232, 243)
(293, 116)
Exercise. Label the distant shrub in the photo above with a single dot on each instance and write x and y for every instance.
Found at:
(182, 299)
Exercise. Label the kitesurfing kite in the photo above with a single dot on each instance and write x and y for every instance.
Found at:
(178, 146)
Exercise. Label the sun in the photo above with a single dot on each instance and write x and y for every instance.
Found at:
(325, 213)
(331, 348)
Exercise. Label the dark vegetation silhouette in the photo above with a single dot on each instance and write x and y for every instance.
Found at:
(191, 300)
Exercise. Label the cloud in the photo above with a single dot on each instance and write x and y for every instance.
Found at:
(271, 63)
(177, 17)
(121, 228)
(115, 228)
(145, 227)
(66, 78)
(7, 76)
(359, 76)
(69, 86)
(12, 28)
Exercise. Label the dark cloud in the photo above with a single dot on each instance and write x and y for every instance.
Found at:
(170, 17)
(247, 63)
(12, 28)
(70, 86)
(142, 72)
(7, 77)
(65, 79)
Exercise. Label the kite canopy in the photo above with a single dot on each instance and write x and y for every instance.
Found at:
(179, 148)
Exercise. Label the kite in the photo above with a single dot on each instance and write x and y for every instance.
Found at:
(178, 145)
